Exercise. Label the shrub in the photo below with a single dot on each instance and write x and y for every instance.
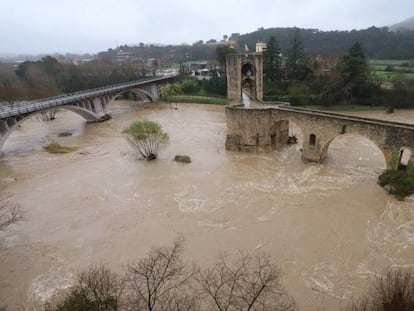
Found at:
(190, 86)
(146, 137)
(198, 100)
(55, 147)
(397, 182)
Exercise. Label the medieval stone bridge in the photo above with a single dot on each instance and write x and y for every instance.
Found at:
(266, 128)
(90, 104)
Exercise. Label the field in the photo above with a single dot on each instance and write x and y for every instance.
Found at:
(391, 69)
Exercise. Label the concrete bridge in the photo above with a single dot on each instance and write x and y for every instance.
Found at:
(266, 128)
(90, 104)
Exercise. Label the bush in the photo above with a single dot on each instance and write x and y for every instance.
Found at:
(216, 85)
(55, 147)
(190, 86)
(146, 137)
(397, 182)
(198, 100)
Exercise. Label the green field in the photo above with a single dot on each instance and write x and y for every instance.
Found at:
(392, 69)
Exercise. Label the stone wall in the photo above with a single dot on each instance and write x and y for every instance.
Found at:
(266, 129)
(234, 64)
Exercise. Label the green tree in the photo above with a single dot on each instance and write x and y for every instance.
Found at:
(355, 72)
(221, 54)
(272, 61)
(297, 68)
(146, 137)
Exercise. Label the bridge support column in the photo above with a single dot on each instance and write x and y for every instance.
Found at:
(154, 91)
(312, 151)
(3, 128)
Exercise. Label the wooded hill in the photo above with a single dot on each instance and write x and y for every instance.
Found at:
(376, 42)
(380, 43)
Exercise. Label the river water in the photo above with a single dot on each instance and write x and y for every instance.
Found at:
(330, 227)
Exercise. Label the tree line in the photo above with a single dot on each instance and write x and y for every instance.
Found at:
(328, 79)
(164, 281)
(49, 77)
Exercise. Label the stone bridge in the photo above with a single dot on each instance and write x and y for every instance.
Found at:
(266, 128)
(90, 104)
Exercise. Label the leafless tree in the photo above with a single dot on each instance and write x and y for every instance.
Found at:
(9, 214)
(97, 289)
(104, 286)
(248, 283)
(160, 281)
(394, 291)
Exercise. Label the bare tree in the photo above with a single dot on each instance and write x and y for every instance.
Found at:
(249, 283)
(393, 291)
(97, 289)
(160, 281)
(9, 214)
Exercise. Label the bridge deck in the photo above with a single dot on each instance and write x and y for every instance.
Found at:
(51, 102)
(333, 115)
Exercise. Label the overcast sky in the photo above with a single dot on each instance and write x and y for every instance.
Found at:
(80, 26)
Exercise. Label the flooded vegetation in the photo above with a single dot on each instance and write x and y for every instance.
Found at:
(330, 227)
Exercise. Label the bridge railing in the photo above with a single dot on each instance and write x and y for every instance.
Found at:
(68, 98)
(342, 116)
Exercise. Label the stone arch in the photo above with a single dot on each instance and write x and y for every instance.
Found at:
(137, 91)
(325, 148)
(281, 130)
(248, 70)
(86, 114)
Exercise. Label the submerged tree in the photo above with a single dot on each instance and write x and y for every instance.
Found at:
(146, 137)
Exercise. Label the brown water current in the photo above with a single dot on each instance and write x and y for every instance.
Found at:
(330, 227)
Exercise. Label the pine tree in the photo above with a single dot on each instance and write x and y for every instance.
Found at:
(272, 61)
(296, 64)
(355, 72)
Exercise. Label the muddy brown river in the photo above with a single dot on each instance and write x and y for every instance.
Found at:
(330, 227)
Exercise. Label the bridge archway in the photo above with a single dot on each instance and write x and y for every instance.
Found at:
(139, 92)
(281, 130)
(14, 123)
(348, 147)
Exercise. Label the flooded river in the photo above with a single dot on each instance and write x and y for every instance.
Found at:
(330, 227)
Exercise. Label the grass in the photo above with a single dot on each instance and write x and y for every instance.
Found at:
(346, 108)
(392, 69)
(198, 100)
(55, 147)
(388, 62)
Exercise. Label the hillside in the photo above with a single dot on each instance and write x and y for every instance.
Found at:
(407, 24)
(377, 42)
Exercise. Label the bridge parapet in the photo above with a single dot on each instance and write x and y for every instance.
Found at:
(266, 129)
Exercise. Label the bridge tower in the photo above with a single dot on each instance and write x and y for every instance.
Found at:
(244, 73)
